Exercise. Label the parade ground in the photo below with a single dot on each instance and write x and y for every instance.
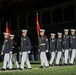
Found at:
(54, 70)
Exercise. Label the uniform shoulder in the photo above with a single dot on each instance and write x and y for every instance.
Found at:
(27, 37)
(45, 36)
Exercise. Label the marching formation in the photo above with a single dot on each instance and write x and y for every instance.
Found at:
(61, 48)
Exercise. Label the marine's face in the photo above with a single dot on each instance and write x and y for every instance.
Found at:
(24, 34)
(72, 33)
(52, 36)
(5, 36)
(42, 33)
(66, 32)
(59, 36)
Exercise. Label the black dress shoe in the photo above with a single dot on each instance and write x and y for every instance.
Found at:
(50, 65)
(7, 68)
(11, 69)
(3, 69)
(70, 64)
(41, 67)
(46, 66)
(56, 64)
(60, 64)
(20, 69)
(66, 64)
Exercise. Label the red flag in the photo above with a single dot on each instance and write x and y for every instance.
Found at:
(38, 25)
(7, 28)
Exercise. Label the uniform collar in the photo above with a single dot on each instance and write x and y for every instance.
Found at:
(6, 38)
(24, 37)
(52, 38)
(43, 36)
(66, 35)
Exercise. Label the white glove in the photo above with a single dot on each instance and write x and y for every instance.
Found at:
(56, 51)
(62, 50)
(39, 50)
(10, 52)
(20, 53)
(70, 49)
(1, 53)
(46, 50)
(28, 51)
(13, 47)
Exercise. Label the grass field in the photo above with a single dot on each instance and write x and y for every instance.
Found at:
(55, 70)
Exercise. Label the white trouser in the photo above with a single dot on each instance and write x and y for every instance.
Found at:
(7, 59)
(58, 57)
(14, 59)
(43, 58)
(66, 56)
(62, 58)
(10, 61)
(24, 59)
(20, 58)
(52, 57)
(73, 56)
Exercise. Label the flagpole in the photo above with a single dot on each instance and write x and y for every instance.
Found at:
(38, 29)
(38, 43)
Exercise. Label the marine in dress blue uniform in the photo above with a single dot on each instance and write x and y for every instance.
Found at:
(25, 50)
(59, 48)
(52, 48)
(6, 50)
(73, 45)
(44, 47)
(14, 51)
(66, 43)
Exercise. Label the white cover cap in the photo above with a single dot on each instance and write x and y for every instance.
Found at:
(66, 30)
(59, 33)
(42, 30)
(5, 33)
(12, 35)
(52, 34)
(24, 30)
(73, 30)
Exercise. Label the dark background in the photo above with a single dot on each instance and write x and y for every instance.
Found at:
(21, 14)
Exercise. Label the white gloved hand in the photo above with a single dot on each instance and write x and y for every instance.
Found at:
(28, 51)
(39, 50)
(10, 52)
(70, 49)
(62, 50)
(1, 53)
(56, 51)
(20, 53)
(46, 50)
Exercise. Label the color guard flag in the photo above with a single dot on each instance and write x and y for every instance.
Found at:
(38, 25)
(7, 28)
